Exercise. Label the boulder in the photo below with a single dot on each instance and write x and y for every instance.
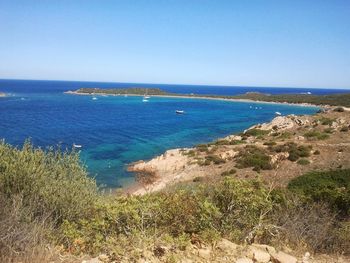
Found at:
(227, 246)
(204, 253)
(258, 255)
(266, 248)
(281, 257)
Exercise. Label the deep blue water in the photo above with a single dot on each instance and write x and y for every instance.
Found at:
(115, 131)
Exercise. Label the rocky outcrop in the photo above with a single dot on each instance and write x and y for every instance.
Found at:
(223, 251)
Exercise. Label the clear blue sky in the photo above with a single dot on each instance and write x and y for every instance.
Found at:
(252, 43)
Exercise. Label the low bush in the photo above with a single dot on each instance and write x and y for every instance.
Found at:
(40, 189)
(344, 129)
(332, 187)
(252, 156)
(256, 132)
(317, 152)
(303, 162)
(229, 173)
(215, 159)
(294, 151)
(202, 147)
(270, 143)
(315, 135)
(339, 109)
(328, 130)
(326, 121)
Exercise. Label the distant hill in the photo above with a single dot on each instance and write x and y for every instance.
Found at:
(333, 99)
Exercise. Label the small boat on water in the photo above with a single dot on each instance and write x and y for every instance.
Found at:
(278, 113)
(146, 97)
(94, 98)
(145, 100)
(77, 145)
(179, 112)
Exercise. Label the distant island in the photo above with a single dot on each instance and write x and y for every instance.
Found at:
(332, 99)
(2, 94)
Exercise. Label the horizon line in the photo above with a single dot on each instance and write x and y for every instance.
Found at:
(177, 84)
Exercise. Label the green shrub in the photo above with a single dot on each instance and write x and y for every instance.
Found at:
(294, 151)
(328, 130)
(51, 182)
(339, 109)
(252, 156)
(270, 143)
(332, 187)
(303, 162)
(229, 173)
(326, 121)
(316, 135)
(236, 142)
(344, 129)
(190, 153)
(256, 132)
(317, 152)
(285, 135)
(202, 147)
(215, 159)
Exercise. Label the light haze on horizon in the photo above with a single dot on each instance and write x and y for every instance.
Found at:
(239, 43)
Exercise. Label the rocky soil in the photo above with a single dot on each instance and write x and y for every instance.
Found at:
(223, 251)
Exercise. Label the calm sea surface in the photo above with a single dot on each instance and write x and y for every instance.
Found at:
(115, 131)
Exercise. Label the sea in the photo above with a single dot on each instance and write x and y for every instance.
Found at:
(114, 131)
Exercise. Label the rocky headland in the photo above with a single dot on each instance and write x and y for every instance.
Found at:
(267, 150)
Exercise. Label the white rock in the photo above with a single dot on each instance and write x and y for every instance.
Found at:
(204, 253)
(281, 257)
(227, 246)
(258, 255)
(264, 247)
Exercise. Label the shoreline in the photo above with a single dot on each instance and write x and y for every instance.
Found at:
(177, 165)
(2, 94)
(202, 97)
(167, 166)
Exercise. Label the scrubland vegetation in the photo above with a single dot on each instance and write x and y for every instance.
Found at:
(48, 200)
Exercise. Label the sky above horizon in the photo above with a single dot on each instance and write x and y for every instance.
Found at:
(241, 43)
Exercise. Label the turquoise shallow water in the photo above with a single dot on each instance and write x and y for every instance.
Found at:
(115, 131)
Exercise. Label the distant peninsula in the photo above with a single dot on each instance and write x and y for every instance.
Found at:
(320, 100)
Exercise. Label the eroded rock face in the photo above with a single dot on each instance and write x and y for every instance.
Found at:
(277, 124)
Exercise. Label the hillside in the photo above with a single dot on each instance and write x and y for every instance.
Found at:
(245, 198)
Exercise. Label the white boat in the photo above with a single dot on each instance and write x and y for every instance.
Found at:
(179, 112)
(146, 97)
(94, 98)
(77, 145)
(278, 113)
(145, 100)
